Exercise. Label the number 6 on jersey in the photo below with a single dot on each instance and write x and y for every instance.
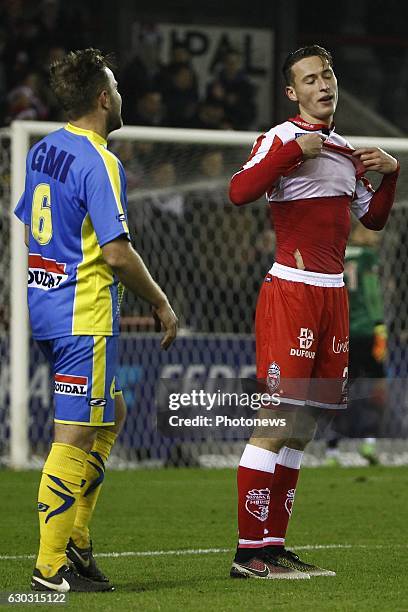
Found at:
(41, 221)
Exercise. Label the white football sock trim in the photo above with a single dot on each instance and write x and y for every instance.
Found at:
(256, 458)
(276, 541)
(290, 457)
(250, 543)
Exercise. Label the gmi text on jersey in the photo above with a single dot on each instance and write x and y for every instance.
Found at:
(74, 202)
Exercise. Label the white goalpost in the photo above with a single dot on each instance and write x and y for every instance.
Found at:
(21, 136)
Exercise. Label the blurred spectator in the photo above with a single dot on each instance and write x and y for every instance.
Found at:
(146, 155)
(210, 115)
(125, 151)
(148, 110)
(166, 200)
(180, 96)
(233, 89)
(212, 164)
(33, 34)
(139, 74)
(179, 54)
(163, 174)
(24, 101)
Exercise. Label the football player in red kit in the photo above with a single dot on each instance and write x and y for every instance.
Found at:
(313, 179)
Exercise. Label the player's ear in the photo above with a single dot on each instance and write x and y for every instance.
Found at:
(104, 99)
(291, 94)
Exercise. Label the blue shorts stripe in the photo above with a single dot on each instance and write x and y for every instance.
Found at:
(84, 369)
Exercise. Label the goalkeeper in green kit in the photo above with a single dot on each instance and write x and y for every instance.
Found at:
(368, 334)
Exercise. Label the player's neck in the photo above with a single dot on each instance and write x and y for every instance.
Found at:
(93, 124)
(310, 119)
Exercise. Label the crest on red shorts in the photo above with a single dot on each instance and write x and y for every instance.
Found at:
(306, 338)
(290, 496)
(273, 377)
(257, 503)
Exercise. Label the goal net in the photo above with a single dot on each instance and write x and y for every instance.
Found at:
(210, 258)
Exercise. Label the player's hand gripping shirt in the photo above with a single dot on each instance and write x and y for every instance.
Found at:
(311, 199)
(74, 202)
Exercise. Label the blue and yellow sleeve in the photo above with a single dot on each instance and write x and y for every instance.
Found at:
(105, 194)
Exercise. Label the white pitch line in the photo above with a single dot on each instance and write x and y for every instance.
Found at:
(160, 553)
(208, 551)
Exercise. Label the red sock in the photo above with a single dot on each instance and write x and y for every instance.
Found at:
(283, 488)
(254, 485)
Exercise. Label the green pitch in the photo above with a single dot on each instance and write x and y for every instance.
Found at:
(357, 516)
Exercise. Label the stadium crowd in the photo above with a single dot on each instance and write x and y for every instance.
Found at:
(154, 93)
(181, 224)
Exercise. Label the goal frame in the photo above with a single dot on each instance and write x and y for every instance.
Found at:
(20, 134)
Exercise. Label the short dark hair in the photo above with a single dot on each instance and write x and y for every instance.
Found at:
(299, 54)
(78, 79)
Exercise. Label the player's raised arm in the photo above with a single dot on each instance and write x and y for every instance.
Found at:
(269, 160)
(373, 208)
(132, 272)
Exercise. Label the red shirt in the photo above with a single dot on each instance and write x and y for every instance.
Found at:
(311, 199)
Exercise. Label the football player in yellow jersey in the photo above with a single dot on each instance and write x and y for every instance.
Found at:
(75, 212)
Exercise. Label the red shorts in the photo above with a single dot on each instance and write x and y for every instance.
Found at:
(302, 337)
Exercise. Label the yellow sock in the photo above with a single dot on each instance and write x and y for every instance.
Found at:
(58, 493)
(93, 477)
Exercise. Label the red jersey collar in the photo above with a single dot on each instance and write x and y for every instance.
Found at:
(342, 150)
(312, 127)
